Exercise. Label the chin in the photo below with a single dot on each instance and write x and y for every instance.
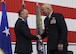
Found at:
(45, 15)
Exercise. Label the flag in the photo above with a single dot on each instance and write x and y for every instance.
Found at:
(5, 42)
(39, 44)
(23, 7)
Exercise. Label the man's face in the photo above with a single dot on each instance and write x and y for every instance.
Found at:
(24, 14)
(45, 11)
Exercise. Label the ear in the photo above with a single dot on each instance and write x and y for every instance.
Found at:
(20, 15)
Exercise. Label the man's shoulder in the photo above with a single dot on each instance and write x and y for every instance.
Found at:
(57, 14)
(18, 21)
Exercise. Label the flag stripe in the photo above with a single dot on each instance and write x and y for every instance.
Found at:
(71, 35)
(32, 24)
(31, 6)
(32, 21)
(66, 3)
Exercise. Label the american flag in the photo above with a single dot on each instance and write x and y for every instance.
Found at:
(66, 7)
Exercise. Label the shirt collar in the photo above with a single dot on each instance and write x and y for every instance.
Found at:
(50, 14)
(22, 18)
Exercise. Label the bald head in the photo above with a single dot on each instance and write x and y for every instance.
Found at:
(23, 13)
(46, 9)
(46, 6)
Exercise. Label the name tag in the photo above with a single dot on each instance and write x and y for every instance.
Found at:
(53, 21)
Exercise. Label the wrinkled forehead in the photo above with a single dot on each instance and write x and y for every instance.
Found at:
(44, 6)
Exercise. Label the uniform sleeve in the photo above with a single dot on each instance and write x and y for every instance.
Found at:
(62, 28)
(43, 35)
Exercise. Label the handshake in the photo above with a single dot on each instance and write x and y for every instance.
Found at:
(39, 40)
(39, 37)
(40, 43)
